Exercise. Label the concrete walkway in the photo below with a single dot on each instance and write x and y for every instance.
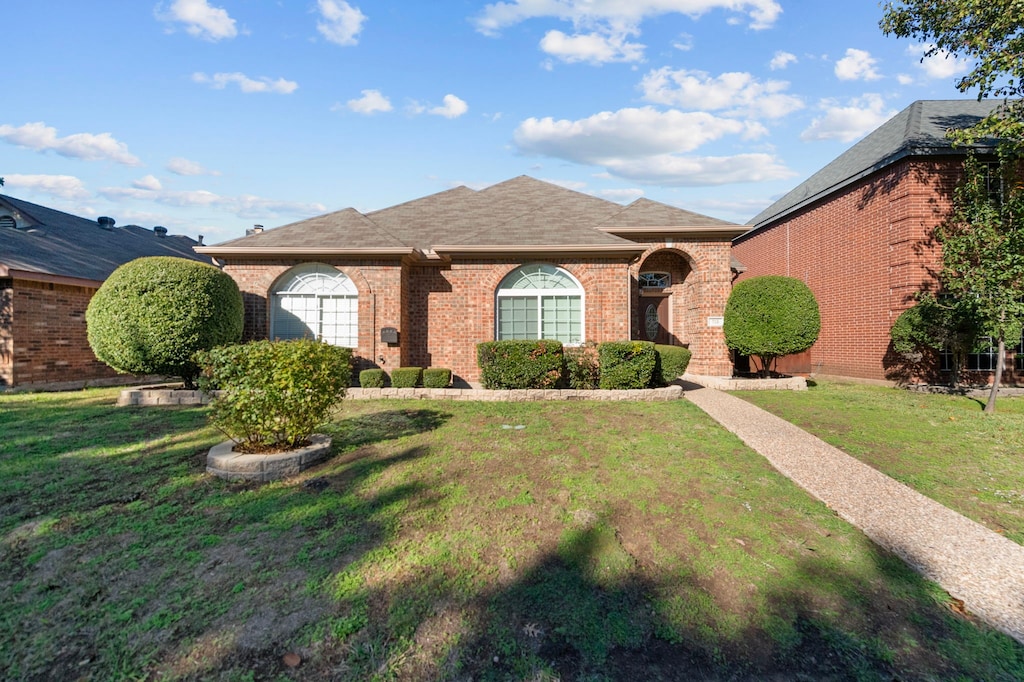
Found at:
(972, 563)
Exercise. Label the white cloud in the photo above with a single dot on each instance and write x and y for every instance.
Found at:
(63, 186)
(85, 146)
(244, 206)
(685, 42)
(737, 93)
(200, 19)
(627, 133)
(857, 65)
(594, 48)
(623, 196)
(341, 22)
(219, 81)
(371, 102)
(847, 123)
(182, 166)
(148, 182)
(620, 14)
(671, 170)
(904, 79)
(453, 107)
(941, 64)
(781, 60)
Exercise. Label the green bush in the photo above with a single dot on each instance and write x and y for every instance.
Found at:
(583, 370)
(626, 364)
(520, 363)
(672, 362)
(153, 314)
(771, 316)
(406, 377)
(372, 378)
(274, 394)
(437, 377)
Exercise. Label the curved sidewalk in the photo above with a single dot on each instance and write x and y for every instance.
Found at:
(972, 563)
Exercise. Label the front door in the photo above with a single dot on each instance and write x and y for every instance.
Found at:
(654, 322)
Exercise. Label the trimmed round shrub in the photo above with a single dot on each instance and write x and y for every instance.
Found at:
(771, 316)
(406, 377)
(672, 363)
(520, 363)
(153, 314)
(626, 364)
(372, 378)
(274, 394)
(437, 377)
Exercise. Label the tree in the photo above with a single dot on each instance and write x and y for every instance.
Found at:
(771, 316)
(153, 314)
(989, 32)
(937, 324)
(983, 251)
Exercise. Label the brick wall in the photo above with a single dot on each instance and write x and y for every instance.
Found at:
(43, 335)
(865, 253)
(443, 311)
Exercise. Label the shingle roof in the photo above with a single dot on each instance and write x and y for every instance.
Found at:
(918, 130)
(56, 243)
(517, 214)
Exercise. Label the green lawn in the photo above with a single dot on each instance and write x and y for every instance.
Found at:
(485, 541)
(943, 446)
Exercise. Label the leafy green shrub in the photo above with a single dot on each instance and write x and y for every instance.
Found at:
(152, 315)
(934, 324)
(520, 363)
(406, 377)
(372, 378)
(437, 377)
(582, 367)
(671, 364)
(626, 364)
(274, 394)
(771, 316)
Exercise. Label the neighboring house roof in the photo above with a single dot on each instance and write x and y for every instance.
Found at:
(516, 216)
(50, 243)
(918, 130)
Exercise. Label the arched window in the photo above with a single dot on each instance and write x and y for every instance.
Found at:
(315, 301)
(540, 302)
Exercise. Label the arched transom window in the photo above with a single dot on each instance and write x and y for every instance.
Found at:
(540, 302)
(315, 301)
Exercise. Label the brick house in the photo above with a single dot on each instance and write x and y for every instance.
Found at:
(859, 233)
(421, 283)
(51, 263)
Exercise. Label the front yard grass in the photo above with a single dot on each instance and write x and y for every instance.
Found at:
(943, 446)
(485, 541)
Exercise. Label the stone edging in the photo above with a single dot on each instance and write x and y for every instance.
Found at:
(518, 395)
(161, 396)
(729, 384)
(224, 462)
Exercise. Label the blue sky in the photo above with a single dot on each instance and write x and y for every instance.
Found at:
(209, 116)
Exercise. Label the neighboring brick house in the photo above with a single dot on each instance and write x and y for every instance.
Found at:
(423, 282)
(859, 233)
(51, 263)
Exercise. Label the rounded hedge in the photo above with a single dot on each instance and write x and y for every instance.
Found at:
(152, 315)
(771, 316)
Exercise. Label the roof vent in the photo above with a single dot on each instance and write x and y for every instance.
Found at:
(200, 240)
(160, 231)
(105, 223)
(8, 222)
(255, 229)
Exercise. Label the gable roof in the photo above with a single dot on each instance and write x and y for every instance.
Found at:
(521, 215)
(51, 243)
(918, 130)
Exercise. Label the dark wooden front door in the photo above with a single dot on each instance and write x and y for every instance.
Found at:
(654, 323)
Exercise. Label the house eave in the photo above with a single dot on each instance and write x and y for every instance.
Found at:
(47, 277)
(703, 232)
(319, 252)
(505, 250)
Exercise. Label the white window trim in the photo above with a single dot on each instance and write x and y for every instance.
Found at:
(301, 281)
(666, 275)
(539, 295)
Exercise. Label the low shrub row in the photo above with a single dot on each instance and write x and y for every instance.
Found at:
(610, 365)
(407, 377)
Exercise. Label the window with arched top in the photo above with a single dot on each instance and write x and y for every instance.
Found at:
(315, 301)
(539, 302)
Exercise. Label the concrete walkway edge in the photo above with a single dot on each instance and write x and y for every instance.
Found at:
(971, 562)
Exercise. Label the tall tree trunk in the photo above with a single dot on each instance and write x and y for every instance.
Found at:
(990, 406)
